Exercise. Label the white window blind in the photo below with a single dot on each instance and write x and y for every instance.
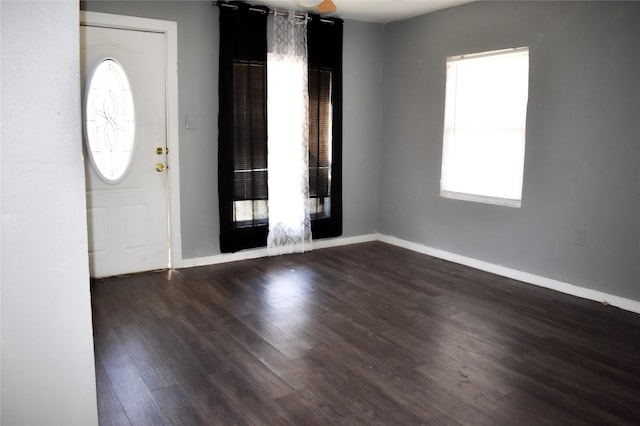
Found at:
(484, 128)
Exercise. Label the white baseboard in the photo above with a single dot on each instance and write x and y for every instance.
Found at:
(262, 252)
(344, 241)
(563, 287)
(224, 258)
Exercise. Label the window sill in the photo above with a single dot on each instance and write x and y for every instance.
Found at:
(496, 201)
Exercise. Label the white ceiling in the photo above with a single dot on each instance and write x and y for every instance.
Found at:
(382, 11)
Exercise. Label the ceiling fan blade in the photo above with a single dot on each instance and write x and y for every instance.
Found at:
(326, 6)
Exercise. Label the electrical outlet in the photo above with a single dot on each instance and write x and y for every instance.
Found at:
(580, 237)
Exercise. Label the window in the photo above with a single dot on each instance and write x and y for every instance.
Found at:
(484, 127)
(110, 121)
(242, 143)
(250, 145)
(320, 124)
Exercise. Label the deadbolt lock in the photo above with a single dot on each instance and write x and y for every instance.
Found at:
(159, 150)
(160, 167)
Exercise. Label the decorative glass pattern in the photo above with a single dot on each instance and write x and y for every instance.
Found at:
(110, 121)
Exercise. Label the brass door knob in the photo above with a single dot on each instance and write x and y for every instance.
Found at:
(160, 167)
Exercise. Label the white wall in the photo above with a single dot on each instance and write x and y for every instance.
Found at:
(47, 344)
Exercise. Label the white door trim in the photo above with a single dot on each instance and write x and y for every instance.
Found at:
(170, 30)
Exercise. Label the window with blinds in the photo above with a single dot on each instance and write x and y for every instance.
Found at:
(250, 147)
(242, 122)
(320, 118)
(250, 192)
(485, 126)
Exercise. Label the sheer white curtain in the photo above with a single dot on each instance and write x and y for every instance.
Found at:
(288, 137)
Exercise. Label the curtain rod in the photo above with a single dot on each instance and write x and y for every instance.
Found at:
(273, 12)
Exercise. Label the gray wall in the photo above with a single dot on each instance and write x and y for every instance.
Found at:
(198, 96)
(47, 343)
(582, 149)
(362, 126)
(580, 171)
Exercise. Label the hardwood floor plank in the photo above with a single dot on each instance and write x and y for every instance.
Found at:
(368, 399)
(110, 410)
(254, 407)
(211, 404)
(528, 403)
(177, 406)
(262, 379)
(139, 405)
(145, 356)
(362, 334)
(302, 411)
(114, 357)
(272, 358)
(606, 401)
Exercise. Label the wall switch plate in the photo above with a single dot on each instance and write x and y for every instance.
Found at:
(189, 122)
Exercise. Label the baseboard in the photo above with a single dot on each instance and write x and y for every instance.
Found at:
(344, 241)
(262, 252)
(563, 287)
(224, 258)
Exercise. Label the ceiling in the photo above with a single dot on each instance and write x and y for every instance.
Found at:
(382, 11)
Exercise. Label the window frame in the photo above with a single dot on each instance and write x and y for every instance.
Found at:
(121, 120)
(450, 128)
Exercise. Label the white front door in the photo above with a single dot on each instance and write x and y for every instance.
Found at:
(127, 215)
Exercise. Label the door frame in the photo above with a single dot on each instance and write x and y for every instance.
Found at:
(170, 31)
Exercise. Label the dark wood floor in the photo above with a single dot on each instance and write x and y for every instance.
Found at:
(362, 334)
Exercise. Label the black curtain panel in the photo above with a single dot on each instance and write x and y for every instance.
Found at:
(324, 41)
(242, 127)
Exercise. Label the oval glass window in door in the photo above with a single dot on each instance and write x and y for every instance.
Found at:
(110, 121)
